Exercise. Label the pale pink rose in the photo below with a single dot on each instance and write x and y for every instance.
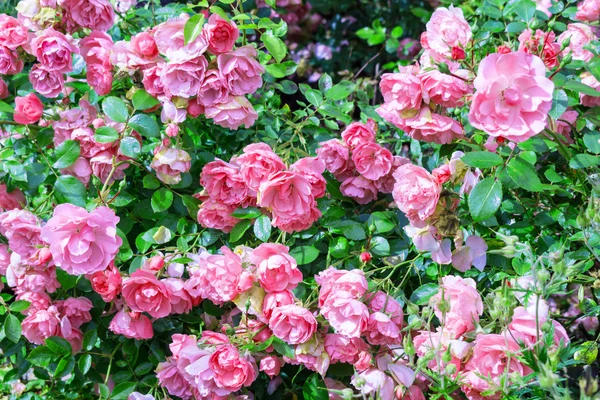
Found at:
(11, 200)
(82, 242)
(334, 281)
(76, 309)
(544, 6)
(181, 301)
(464, 301)
(41, 324)
(194, 365)
(95, 49)
(416, 192)
(99, 78)
(171, 42)
(446, 90)
(344, 349)
(513, 96)
(224, 183)
(275, 268)
(403, 91)
(72, 119)
(241, 71)
(358, 133)
(152, 82)
(591, 81)
(386, 183)
(123, 6)
(472, 253)
(183, 79)
(80, 169)
(91, 14)
(12, 33)
(3, 89)
(170, 378)
(272, 300)
(542, 43)
(347, 316)
(360, 189)
(220, 34)
(22, 229)
(144, 45)
(37, 301)
(565, 123)
(288, 195)
(335, 155)
(213, 89)
(216, 215)
(169, 163)
(140, 396)
(312, 168)
(10, 63)
(439, 342)
(372, 161)
(431, 127)
(28, 109)
(132, 325)
(257, 164)
(580, 35)
(293, 324)
(88, 145)
(384, 303)
(232, 113)
(53, 50)
(45, 82)
(232, 371)
(31, 280)
(180, 341)
(588, 11)
(4, 258)
(107, 283)
(271, 365)
(526, 325)
(447, 28)
(171, 113)
(375, 383)
(144, 293)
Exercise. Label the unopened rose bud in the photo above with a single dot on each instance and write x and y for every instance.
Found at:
(172, 130)
(447, 356)
(365, 257)
(504, 49)
(543, 276)
(458, 53)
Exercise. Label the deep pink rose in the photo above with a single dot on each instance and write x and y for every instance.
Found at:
(257, 164)
(335, 155)
(169, 163)
(580, 35)
(144, 45)
(445, 90)
(91, 14)
(213, 89)
(465, 305)
(360, 189)
(82, 242)
(41, 324)
(28, 109)
(99, 78)
(348, 316)
(358, 133)
(216, 215)
(275, 268)
(10, 63)
(293, 324)
(224, 183)
(232, 371)
(76, 309)
(132, 325)
(446, 29)
(271, 365)
(144, 293)
(107, 283)
(312, 168)
(45, 82)
(3, 89)
(11, 200)
(416, 192)
(171, 42)
(53, 50)
(181, 301)
(588, 11)
(402, 91)
(344, 349)
(12, 33)
(232, 113)
(371, 160)
(241, 71)
(272, 300)
(220, 34)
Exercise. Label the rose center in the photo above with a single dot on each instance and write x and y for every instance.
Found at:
(512, 96)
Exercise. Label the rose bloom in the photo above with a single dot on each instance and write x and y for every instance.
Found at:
(445, 90)
(132, 325)
(335, 155)
(28, 109)
(289, 197)
(526, 325)
(403, 90)
(580, 35)
(22, 229)
(360, 189)
(565, 123)
(257, 164)
(11, 200)
(144, 45)
(171, 42)
(344, 349)
(95, 48)
(99, 78)
(213, 89)
(181, 301)
(37, 301)
(82, 242)
(152, 82)
(334, 281)
(358, 133)
(542, 42)
(41, 324)
(375, 383)
(465, 305)
(107, 283)
(169, 163)
(233, 113)
(232, 371)
(447, 28)
(472, 253)
(53, 50)
(80, 169)
(513, 96)
(12, 33)
(10, 63)
(293, 324)
(428, 126)
(220, 34)
(271, 365)
(348, 316)
(371, 160)
(312, 168)
(382, 302)
(588, 11)
(92, 14)
(275, 268)
(3, 89)
(45, 82)
(416, 192)
(382, 330)
(439, 342)
(241, 71)
(76, 309)
(224, 183)
(591, 81)
(216, 215)
(144, 293)
(170, 378)
(272, 300)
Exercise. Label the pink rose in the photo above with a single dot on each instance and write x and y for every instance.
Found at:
(386, 183)
(566, 122)
(144, 293)
(183, 79)
(473, 252)
(41, 324)
(241, 71)
(216, 215)
(91, 14)
(76, 309)
(82, 242)
(335, 155)
(181, 301)
(272, 300)
(10, 64)
(12, 33)
(275, 268)
(169, 163)
(53, 50)
(446, 29)
(289, 197)
(271, 365)
(543, 6)
(232, 113)
(132, 325)
(107, 283)
(152, 82)
(446, 90)
(257, 164)
(526, 325)
(170, 378)
(344, 349)
(171, 42)
(28, 109)
(37, 301)
(45, 82)
(220, 34)
(99, 78)
(144, 45)
(403, 91)
(95, 49)
(580, 35)
(224, 183)
(11, 200)
(232, 371)
(382, 302)
(80, 169)
(588, 11)
(374, 383)
(88, 145)
(334, 281)
(312, 168)
(358, 133)
(439, 342)
(372, 161)
(293, 324)
(22, 229)
(382, 330)
(347, 316)
(591, 81)
(360, 189)
(464, 302)
(3, 89)
(513, 96)
(427, 126)
(550, 49)
(213, 89)
(416, 192)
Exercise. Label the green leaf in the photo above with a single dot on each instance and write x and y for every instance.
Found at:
(192, 204)
(65, 367)
(115, 109)
(274, 45)
(59, 345)
(525, 9)
(66, 154)
(12, 328)
(262, 228)
(246, 213)
(381, 221)
(353, 230)
(340, 91)
(485, 198)
(85, 363)
(282, 70)
(89, 339)
(143, 100)
(338, 247)
(239, 229)
(66, 280)
(123, 390)
(150, 182)
(130, 147)
(524, 175)
(314, 388)
(161, 200)
(314, 97)
(423, 293)
(19, 305)
(106, 134)
(592, 142)
(304, 254)
(4, 107)
(41, 356)
(560, 102)
(380, 246)
(145, 125)
(579, 87)
(584, 161)
(69, 189)
(192, 29)
(283, 348)
(482, 159)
